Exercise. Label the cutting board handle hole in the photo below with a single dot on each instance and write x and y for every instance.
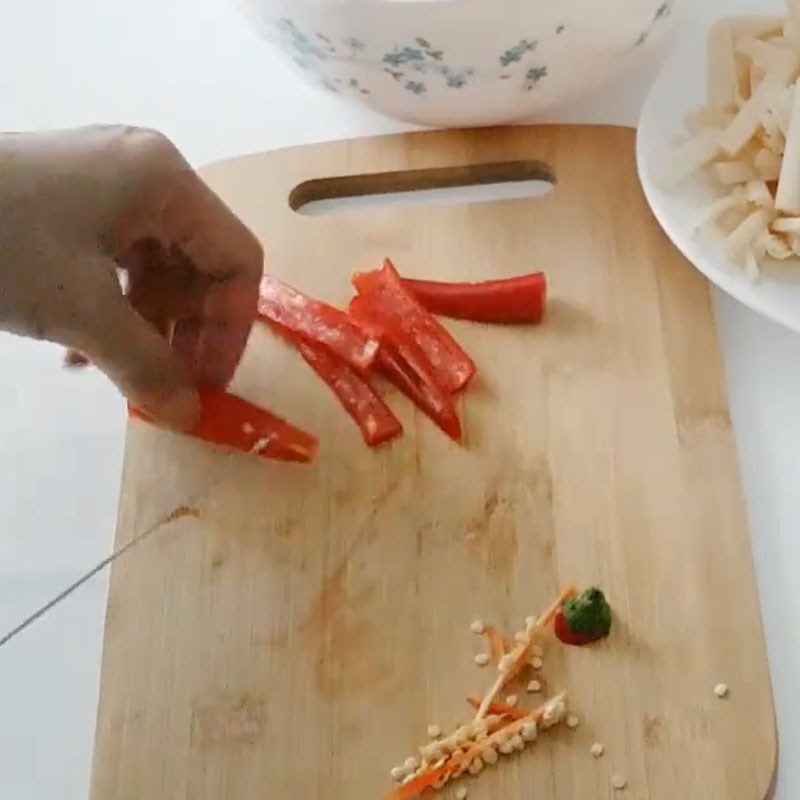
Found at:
(475, 183)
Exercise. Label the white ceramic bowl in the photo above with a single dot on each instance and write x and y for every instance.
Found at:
(462, 62)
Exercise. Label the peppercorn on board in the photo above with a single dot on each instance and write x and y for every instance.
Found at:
(299, 637)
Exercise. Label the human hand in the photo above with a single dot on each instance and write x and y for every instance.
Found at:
(79, 209)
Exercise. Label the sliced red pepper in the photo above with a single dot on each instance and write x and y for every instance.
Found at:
(400, 310)
(403, 363)
(231, 421)
(566, 635)
(420, 386)
(313, 321)
(520, 299)
(374, 418)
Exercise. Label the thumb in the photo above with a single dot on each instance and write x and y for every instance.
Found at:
(141, 363)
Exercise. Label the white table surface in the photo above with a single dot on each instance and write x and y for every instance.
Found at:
(195, 70)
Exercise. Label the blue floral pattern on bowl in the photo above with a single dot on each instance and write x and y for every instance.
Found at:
(414, 66)
(662, 12)
(412, 61)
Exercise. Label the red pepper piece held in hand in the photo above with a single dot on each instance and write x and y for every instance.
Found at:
(313, 321)
(401, 311)
(520, 299)
(231, 421)
(374, 418)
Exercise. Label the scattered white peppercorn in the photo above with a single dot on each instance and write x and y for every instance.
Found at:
(597, 750)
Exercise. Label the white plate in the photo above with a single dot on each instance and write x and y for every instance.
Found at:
(680, 89)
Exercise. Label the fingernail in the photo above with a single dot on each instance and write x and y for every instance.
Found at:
(75, 360)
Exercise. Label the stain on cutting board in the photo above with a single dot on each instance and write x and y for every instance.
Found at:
(239, 718)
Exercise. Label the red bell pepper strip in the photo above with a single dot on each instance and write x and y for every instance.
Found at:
(231, 421)
(400, 310)
(403, 363)
(303, 317)
(374, 418)
(520, 299)
(419, 385)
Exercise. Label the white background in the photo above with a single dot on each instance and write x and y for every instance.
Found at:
(195, 70)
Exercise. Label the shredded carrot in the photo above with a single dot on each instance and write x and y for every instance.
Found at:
(506, 717)
(498, 646)
(510, 717)
(425, 780)
(468, 757)
(533, 716)
(547, 616)
(522, 652)
(429, 778)
(515, 725)
(459, 761)
(501, 709)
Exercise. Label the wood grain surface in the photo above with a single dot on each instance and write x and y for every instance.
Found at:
(297, 638)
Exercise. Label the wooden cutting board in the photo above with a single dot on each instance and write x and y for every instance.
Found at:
(297, 638)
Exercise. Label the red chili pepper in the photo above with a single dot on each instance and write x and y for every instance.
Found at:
(566, 635)
(403, 363)
(374, 418)
(313, 321)
(401, 311)
(520, 299)
(231, 421)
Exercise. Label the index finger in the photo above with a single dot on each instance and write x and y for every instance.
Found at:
(218, 245)
(177, 211)
(216, 241)
(168, 202)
